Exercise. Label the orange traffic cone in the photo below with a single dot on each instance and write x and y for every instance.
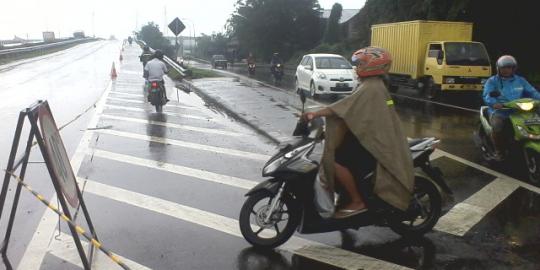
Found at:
(113, 72)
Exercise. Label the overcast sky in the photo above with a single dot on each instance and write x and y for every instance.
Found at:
(120, 18)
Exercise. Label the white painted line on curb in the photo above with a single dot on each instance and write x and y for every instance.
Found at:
(177, 126)
(196, 146)
(64, 248)
(176, 169)
(462, 217)
(313, 250)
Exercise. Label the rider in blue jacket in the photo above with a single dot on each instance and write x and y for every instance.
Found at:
(511, 87)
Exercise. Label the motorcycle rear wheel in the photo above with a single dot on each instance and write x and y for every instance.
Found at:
(425, 206)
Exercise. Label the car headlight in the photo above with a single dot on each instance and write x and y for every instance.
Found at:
(525, 106)
(322, 76)
(450, 80)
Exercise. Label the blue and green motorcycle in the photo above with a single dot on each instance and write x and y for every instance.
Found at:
(525, 120)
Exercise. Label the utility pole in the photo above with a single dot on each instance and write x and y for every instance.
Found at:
(93, 23)
(165, 21)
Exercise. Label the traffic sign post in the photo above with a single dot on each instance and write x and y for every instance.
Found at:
(176, 26)
(47, 136)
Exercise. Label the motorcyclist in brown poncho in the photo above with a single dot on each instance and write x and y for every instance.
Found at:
(364, 135)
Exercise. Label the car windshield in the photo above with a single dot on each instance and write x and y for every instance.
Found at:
(219, 57)
(332, 63)
(466, 54)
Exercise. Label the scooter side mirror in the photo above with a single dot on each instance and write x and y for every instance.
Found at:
(301, 128)
(495, 94)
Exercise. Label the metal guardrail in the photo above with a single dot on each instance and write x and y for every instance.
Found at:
(4, 52)
(168, 61)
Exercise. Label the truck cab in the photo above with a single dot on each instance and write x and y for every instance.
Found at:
(455, 65)
(433, 56)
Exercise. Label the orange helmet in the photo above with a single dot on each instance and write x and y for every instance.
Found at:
(371, 61)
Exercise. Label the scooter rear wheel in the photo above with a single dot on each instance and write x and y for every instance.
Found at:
(268, 234)
(424, 210)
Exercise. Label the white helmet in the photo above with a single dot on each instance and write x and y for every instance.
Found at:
(506, 61)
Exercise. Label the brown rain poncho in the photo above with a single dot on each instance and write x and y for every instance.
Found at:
(370, 116)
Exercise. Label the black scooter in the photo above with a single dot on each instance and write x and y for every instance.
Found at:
(251, 69)
(277, 207)
(277, 73)
(156, 94)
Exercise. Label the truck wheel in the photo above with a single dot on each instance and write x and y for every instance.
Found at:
(431, 90)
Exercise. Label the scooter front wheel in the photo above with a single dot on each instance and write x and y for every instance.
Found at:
(532, 160)
(268, 233)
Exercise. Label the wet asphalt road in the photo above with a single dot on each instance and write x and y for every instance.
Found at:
(164, 190)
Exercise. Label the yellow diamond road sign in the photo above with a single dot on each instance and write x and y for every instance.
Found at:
(177, 26)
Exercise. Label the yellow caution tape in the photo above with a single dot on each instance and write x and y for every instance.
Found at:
(78, 228)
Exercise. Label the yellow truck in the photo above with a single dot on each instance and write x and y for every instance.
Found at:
(433, 56)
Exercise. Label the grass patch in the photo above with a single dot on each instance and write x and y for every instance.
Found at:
(198, 73)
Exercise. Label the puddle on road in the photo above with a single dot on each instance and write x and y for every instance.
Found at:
(514, 226)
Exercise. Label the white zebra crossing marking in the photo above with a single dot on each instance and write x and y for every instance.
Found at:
(196, 146)
(313, 250)
(177, 126)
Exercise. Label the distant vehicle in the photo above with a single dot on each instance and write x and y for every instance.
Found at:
(48, 36)
(79, 34)
(219, 60)
(324, 74)
(433, 56)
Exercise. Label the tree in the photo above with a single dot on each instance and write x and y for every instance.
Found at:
(154, 39)
(267, 26)
(332, 33)
(210, 45)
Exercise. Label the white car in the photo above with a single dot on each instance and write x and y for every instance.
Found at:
(324, 74)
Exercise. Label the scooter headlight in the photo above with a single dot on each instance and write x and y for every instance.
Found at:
(272, 167)
(525, 106)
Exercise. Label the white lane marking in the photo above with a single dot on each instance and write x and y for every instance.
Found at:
(462, 217)
(489, 171)
(177, 126)
(313, 250)
(196, 146)
(63, 247)
(144, 102)
(126, 94)
(37, 247)
(165, 113)
(177, 169)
